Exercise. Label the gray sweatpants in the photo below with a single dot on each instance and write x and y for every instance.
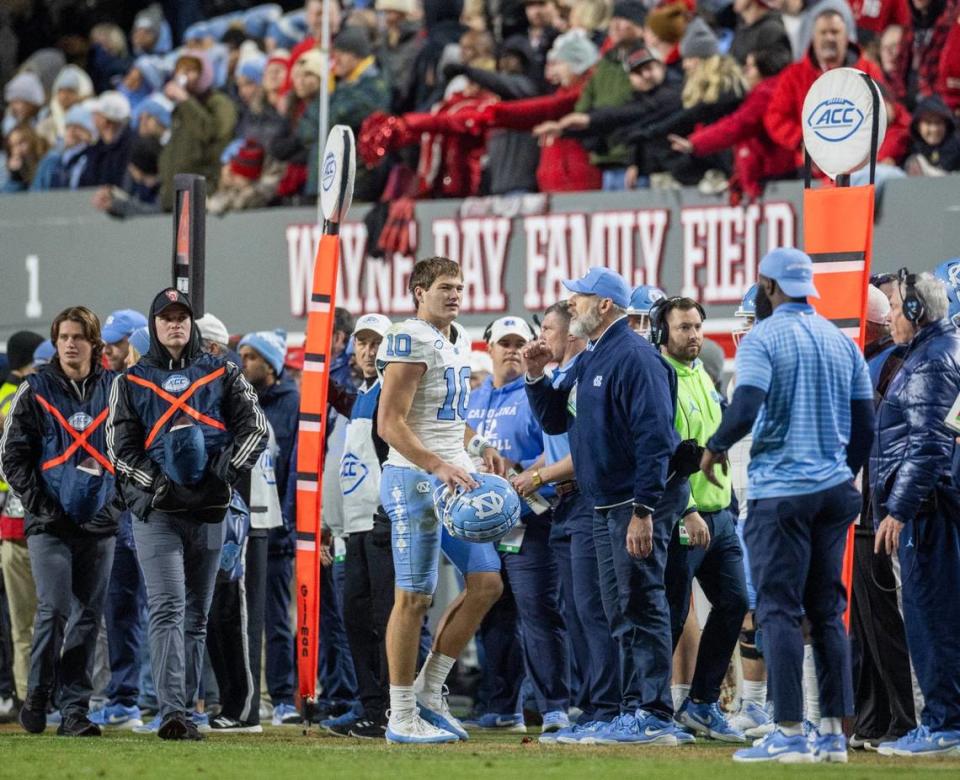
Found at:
(179, 558)
(71, 574)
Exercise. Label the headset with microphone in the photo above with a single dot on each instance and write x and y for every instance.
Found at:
(659, 329)
(914, 307)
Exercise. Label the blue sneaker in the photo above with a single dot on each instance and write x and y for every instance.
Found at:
(830, 748)
(493, 720)
(54, 718)
(201, 720)
(922, 742)
(683, 735)
(286, 715)
(752, 720)
(640, 729)
(344, 721)
(117, 716)
(555, 721)
(777, 746)
(708, 720)
(578, 733)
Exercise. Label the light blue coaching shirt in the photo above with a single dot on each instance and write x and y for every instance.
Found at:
(810, 372)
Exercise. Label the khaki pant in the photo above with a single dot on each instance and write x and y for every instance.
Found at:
(22, 601)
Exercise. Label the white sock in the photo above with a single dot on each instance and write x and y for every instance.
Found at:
(433, 675)
(403, 701)
(755, 691)
(831, 725)
(811, 691)
(680, 693)
(791, 729)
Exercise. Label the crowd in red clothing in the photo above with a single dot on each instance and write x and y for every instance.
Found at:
(460, 98)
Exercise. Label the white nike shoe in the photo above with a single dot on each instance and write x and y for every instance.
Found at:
(435, 711)
(410, 728)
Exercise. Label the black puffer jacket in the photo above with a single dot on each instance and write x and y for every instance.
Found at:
(142, 479)
(911, 459)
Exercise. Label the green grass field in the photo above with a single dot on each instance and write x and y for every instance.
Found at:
(285, 753)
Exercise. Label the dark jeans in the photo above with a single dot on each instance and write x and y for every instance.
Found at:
(883, 690)
(635, 600)
(125, 599)
(796, 546)
(281, 678)
(930, 568)
(591, 639)
(719, 570)
(255, 582)
(228, 634)
(6, 646)
(338, 680)
(367, 602)
(179, 559)
(501, 664)
(71, 575)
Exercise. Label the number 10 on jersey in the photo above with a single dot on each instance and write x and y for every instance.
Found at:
(458, 391)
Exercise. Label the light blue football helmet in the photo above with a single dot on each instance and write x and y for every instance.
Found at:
(948, 272)
(484, 514)
(641, 302)
(747, 312)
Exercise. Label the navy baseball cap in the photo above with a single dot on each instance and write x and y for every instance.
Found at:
(601, 282)
(121, 324)
(792, 270)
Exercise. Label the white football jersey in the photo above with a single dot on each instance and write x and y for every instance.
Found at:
(438, 413)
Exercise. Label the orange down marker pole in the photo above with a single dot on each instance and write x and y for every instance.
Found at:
(838, 236)
(337, 169)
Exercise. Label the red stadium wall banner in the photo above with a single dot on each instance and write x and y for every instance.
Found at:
(838, 236)
(310, 454)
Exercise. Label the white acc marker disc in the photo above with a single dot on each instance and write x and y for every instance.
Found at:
(838, 120)
(337, 171)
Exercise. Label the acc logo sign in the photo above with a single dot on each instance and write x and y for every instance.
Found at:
(329, 172)
(487, 504)
(176, 383)
(835, 119)
(352, 473)
(80, 421)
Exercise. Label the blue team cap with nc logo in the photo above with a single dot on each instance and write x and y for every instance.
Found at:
(603, 283)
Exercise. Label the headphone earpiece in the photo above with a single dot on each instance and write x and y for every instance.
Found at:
(914, 307)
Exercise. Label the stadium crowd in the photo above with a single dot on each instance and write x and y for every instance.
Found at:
(148, 522)
(456, 98)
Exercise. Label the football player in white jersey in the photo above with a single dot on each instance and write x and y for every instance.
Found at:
(425, 365)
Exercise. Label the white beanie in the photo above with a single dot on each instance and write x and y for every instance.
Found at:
(878, 306)
(212, 329)
(575, 49)
(24, 86)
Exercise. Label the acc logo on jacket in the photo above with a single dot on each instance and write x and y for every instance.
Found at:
(835, 119)
(176, 383)
(80, 421)
(352, 473)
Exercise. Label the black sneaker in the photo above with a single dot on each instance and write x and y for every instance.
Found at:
(193, 732)
(174, 726)
(224, 724)
(78, 726)
(368, 729)
(33, 720)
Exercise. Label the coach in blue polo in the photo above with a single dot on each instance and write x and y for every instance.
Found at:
(622, 440)
(804, 389)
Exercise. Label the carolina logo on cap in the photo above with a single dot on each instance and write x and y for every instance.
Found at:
(172, 295)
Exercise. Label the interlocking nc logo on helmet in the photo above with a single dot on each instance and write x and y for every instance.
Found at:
(487, 504)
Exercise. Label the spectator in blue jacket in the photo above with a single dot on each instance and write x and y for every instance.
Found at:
(108, 158)
(262, 354)
(622, 446)
(62, 166)
(917, 503)
(499, 411)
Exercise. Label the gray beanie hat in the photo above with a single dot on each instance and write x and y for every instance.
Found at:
(353, 40)
(575, 49)
(699, 40)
